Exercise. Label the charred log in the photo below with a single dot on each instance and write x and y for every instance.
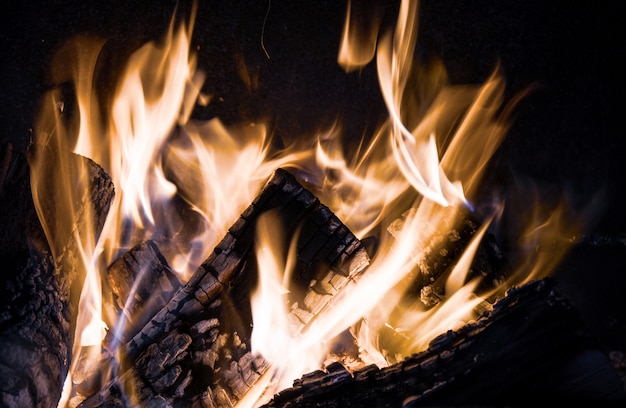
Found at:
(36, 306)
(532, 349)
(142, 283)
(196, 349)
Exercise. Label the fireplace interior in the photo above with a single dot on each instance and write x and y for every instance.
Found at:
(278, 60)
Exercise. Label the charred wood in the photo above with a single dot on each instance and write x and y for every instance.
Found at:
(37, 299)
(196, 349)
(142, 283)
(532, 349)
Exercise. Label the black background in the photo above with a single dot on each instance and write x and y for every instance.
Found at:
(568, 133)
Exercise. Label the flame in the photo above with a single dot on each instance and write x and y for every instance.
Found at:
(358, 41)
(270, 308)
(415, 150)
(416, 178)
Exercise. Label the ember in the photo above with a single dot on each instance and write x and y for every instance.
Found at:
(329, 262)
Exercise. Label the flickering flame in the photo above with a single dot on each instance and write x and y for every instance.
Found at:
(425, 162)
(415, 150)
(270, 308)
(358, 41)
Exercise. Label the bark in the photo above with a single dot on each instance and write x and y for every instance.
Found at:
(36, 307)
(531, 350)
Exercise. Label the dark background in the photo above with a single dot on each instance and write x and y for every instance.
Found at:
(568, 134)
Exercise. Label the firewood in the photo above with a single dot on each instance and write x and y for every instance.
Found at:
(532, 349)
(142, 283)
(206, 325)
(37, 296)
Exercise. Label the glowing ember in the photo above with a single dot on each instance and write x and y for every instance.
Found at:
(425, 162)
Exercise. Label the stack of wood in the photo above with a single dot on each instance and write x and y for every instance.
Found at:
(189, 344)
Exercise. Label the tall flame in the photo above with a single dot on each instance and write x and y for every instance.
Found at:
(425, 161)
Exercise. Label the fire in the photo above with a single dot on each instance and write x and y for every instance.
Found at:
(425, 162)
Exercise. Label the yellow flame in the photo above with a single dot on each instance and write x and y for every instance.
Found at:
(274, 336)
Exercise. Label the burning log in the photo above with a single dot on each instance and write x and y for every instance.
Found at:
(38, 297)
(196, 349)
(532, 349)
(142, 283)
